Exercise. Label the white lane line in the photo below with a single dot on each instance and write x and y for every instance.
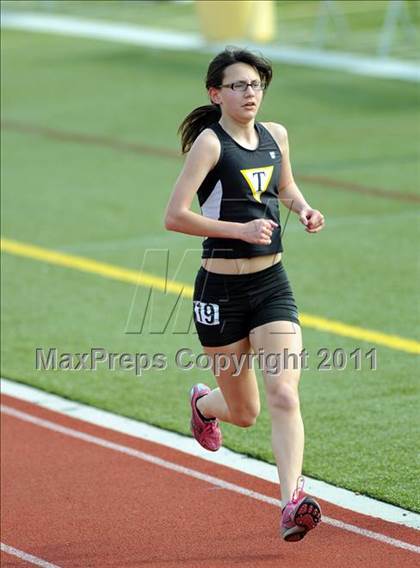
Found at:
(167, 39)
(193, 473)
(186, 444)
(27, 557)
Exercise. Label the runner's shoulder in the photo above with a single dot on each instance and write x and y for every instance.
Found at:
(207, 145)
(278, 132)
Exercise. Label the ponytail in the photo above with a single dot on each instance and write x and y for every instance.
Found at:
(193, 124)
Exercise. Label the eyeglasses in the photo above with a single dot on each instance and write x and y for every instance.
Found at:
(243, 86)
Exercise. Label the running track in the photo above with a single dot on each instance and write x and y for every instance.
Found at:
(79, 495)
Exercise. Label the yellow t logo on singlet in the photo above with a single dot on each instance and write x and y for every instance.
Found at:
(258, 180)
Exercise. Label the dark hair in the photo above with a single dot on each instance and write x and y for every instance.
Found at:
(201, 117)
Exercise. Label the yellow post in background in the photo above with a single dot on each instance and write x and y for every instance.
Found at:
(222, 20)
(262, 26)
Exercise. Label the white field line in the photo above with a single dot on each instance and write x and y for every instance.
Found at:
(263, 470)
(195, 474)
(167, 39)
(27, 557)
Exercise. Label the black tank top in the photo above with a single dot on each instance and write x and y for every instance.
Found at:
(241, 187)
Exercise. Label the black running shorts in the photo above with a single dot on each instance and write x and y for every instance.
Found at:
(227, 307)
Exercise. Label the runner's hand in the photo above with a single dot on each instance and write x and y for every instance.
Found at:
(312, 219)
(258, 231)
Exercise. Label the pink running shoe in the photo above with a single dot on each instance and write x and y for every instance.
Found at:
(206, 432)
(300, 515)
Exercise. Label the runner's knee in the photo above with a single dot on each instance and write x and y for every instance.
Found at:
(284, 397)
(245, 416)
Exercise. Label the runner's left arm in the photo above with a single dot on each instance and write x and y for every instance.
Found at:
(289, 193)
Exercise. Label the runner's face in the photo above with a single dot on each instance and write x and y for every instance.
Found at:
(240, 105)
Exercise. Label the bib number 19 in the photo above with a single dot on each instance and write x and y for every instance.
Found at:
(207, 314)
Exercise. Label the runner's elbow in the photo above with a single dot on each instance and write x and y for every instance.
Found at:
(169, 223)
(173, 221)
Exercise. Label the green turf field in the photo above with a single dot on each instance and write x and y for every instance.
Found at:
(82, 197)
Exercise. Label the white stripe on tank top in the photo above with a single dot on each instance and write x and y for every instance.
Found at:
(211, 206)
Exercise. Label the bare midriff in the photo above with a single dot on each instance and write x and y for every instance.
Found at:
(240, 265)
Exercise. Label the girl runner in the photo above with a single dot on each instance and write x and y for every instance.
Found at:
(243, 302)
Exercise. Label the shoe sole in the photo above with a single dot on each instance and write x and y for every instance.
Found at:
(307, 517)
(198, 441)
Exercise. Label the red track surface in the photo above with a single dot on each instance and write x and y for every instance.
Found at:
(75, 504)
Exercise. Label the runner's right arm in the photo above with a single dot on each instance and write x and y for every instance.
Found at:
(202, 158)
